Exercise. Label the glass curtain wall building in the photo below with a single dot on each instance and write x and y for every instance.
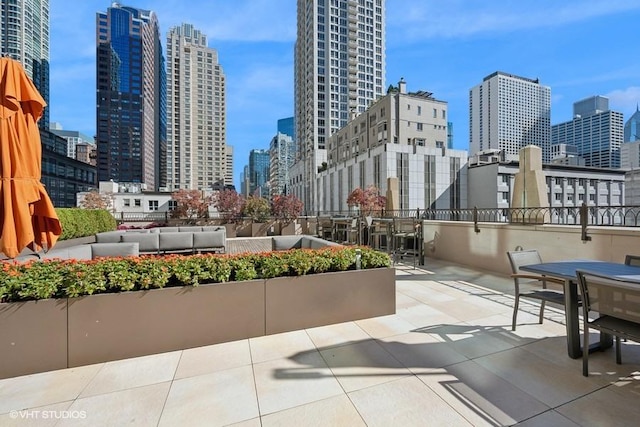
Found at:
(131, 97)
(259, 173)
(632, 127)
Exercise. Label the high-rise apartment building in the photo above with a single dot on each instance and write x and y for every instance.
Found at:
(259, 173)
(131, 97)
(595, 131)
(282, 152)
(339, 70)
(24, 36)
(196, 135)
(508, 112)
(632, 127)
(228, 178)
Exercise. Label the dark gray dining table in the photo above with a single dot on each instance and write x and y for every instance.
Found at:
(566, 270)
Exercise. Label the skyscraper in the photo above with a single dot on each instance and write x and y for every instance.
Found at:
(595, 131)
(632, 127)
(24, 36)
(339, 70)
(131, 97)
(282, 153)
(196, 152)
(508, 112)
(228, 178)
(258, 172)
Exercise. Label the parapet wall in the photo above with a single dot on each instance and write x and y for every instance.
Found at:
(458, 242)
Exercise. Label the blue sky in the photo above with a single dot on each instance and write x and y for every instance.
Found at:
(579, 48)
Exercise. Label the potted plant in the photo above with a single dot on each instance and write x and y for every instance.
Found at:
(257, 209)
(286, 209)
(369, 203)
(230, 205)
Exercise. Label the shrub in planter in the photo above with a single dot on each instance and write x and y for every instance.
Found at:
(257, 209)
(71, 278)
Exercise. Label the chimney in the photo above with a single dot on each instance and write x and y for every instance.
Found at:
(402, 85)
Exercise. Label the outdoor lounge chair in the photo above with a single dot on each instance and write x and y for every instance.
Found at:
(616, 302)
(536, 286)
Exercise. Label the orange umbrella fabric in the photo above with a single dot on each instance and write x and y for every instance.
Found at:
(27, 216)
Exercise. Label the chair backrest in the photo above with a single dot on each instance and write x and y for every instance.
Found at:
(518, 259)
(632, 260)
(610, 296)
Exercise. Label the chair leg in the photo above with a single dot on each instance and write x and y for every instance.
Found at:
(618, 352)
(585, 352)
(541, 317)
(515, 312)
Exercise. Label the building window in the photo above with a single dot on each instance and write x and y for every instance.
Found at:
(126, 202)
(153, 205)
(419, 126)
(137, 202)
(419, 110)
(173, 205)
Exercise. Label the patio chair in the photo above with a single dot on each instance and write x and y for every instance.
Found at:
(536, 286)
(632, 260)
(616, 302)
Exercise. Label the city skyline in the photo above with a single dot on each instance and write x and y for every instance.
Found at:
(445, 50)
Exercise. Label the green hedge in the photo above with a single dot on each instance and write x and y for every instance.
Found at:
(78, 222)
(71, 278)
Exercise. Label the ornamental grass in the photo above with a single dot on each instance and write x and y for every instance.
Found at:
(36, 280)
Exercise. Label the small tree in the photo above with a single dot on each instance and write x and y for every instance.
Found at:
(257, 208)
(287, 208)
(369, 201)
(190, 204)
(230, 204)
(95, 200)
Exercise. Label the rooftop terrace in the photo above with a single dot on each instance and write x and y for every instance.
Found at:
(447, 357)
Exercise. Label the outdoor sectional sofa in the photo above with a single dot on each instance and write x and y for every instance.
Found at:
(170, 239)
(85, 252)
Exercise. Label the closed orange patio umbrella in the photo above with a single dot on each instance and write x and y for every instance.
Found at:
(27, 216)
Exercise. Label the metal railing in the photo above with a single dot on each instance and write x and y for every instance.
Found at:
(583, 216)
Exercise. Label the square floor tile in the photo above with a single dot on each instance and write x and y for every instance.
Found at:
(46, 388)
(215, 399)
(279, 346)
(338, 334)
(140, 406)
(213, 358)
(134, 372)
(363, 364)
(286, 383)
(404, 402)
(481, 396)
(335, 411)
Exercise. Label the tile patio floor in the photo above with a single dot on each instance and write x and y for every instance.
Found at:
(448, 357)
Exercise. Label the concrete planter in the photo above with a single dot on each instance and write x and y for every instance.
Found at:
(116, 326)
(38, 336)
(230, 229)
(294, 303)
(33, 337)
(291, 229)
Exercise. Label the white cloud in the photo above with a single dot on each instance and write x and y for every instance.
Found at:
(238, 20)
(624, 100)
(415, 20)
